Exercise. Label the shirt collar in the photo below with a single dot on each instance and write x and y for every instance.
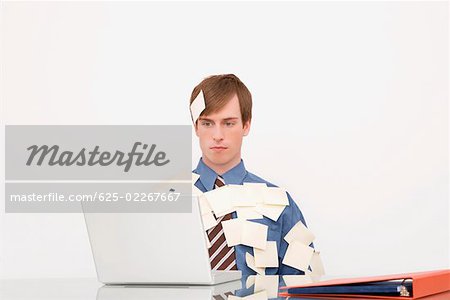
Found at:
(208, 176)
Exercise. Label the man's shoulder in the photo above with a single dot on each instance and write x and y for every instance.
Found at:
(256, 179)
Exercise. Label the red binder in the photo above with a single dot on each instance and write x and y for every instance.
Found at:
(423, 284)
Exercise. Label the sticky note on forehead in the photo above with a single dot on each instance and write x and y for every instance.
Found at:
(197, 106)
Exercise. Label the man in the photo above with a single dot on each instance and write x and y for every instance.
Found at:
(220, 128)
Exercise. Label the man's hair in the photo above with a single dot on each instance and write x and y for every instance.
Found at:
(219, 89)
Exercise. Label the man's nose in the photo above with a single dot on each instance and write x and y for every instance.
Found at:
(218, 133)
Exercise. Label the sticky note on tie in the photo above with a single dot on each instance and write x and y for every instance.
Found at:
(209, 221)
(197, 106)
(268, 283)
(254, 234)
(268, 257)
(219, 200)
(276, 196)
(298, 256)
(250, 260)
(236, 192)
(300, 233)
(233, 231)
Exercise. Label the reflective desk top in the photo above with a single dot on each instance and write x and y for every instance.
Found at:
(249, 288)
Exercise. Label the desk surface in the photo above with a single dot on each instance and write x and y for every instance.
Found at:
(91, 289)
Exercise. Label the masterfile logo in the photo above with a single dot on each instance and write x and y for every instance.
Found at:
(105, 152)
(103, 168)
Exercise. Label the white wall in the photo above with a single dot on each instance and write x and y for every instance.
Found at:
(350, 112)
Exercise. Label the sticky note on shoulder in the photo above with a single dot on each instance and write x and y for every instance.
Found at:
(276, 196)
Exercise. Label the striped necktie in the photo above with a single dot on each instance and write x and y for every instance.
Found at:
(221, 256)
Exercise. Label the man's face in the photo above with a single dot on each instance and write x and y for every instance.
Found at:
(220, 136)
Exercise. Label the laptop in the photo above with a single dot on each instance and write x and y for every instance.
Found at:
(152, 248)
(168, 292)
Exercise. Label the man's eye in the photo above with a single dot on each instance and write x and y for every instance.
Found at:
(229, 124)
(207, 124)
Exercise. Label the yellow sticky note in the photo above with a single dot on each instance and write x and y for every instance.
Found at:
(276, 196)
(268, 257)
(272, 212)
(208, 221)
(298, 256)
(248, 213)
(300, 233)
(268, 283)
(254, 234)
(250, 260)
(219, 200)
(317, 265)
(233, 231)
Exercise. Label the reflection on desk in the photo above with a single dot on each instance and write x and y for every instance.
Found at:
(249, 288)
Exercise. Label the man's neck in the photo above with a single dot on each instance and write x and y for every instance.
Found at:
(221, 169)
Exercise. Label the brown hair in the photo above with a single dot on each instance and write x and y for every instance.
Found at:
(219, 89)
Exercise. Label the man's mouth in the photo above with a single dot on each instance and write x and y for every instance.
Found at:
(218, 148)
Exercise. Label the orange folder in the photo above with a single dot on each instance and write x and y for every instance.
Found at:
(423, 284)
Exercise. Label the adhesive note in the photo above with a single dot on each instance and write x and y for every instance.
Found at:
(272, 212)
(300, 233)
(294, 280)
(197, 106)
(233, 297)
(256, 191)
(298, 256)
(268, 257)
(316, 265)
(257, 296)
(236, 192)
(248, 213)
(250, 260)
(233, 231)
(254, 234)
(204, 205)
(268, 283)
(209, 221)
(219, 200)
(250, 281)
(276, 196)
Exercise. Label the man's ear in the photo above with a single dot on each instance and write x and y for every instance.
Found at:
(196, 127)
(247, 127)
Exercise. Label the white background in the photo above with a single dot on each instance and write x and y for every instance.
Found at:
(350, 112)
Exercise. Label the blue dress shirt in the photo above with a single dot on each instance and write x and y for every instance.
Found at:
(277, 230)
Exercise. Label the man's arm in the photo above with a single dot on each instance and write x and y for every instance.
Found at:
(291, 216)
